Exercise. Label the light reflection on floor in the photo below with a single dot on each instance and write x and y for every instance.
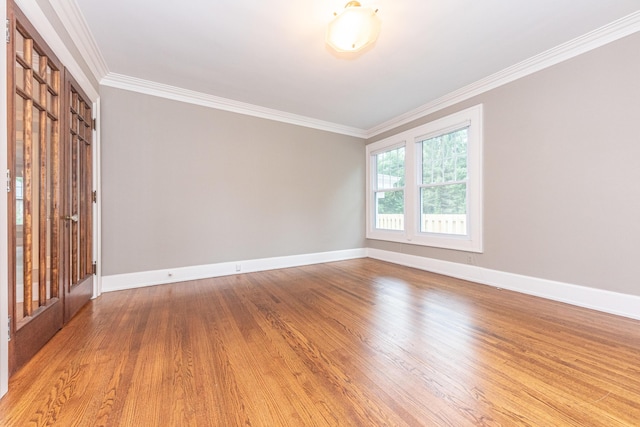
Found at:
(440, 313)
(424, 321)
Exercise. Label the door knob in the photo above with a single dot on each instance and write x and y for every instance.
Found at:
(73, 218)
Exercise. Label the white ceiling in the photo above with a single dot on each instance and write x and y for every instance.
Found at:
(272, 53)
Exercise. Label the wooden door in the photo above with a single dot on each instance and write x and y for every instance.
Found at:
(34, 78)
(50, 195)
(77, 196)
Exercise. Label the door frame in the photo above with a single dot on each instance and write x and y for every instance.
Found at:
(4, 220)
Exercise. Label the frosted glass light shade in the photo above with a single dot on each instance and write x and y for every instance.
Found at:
(354, 28)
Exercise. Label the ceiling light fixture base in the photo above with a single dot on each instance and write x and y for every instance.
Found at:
(354, 28)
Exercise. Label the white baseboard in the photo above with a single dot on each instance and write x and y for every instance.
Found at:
(596, 299)
(118, 282)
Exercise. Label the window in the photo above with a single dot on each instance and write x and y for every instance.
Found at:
(389, 189)
(425, 184)
(443, 183)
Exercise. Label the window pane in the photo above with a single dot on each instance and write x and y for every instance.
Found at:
(50, 103)
(390, 210)
(430, 159)
(461, 168)
(444, 209)
(19, 195)
(19, 76)
(390, 169)
(36, 90)
(49, 188)
(35, 62)
(49, 77)
(444, 158)
(19, 44)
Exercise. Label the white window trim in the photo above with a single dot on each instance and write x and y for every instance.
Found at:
(372, 150)
(471, 242)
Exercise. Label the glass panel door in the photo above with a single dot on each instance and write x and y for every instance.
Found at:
(34, 88)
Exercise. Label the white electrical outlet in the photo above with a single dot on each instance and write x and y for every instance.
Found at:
(238, 268)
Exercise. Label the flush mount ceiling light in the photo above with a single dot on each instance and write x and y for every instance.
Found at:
(354, 28)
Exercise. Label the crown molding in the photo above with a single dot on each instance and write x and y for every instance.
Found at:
(611, 32)
(134, 84)
(73, 20)
(39, 20)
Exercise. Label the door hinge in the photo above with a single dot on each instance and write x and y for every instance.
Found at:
(93, 123)
(7, 31)
(94, 268)
(8, 180)
(94, 196)
(9, 329)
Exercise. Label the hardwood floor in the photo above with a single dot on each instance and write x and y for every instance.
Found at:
(353, 343)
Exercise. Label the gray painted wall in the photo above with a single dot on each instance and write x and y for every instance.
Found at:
(561, 174)
(184, 185)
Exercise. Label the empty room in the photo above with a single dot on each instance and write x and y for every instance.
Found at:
(320, 213)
